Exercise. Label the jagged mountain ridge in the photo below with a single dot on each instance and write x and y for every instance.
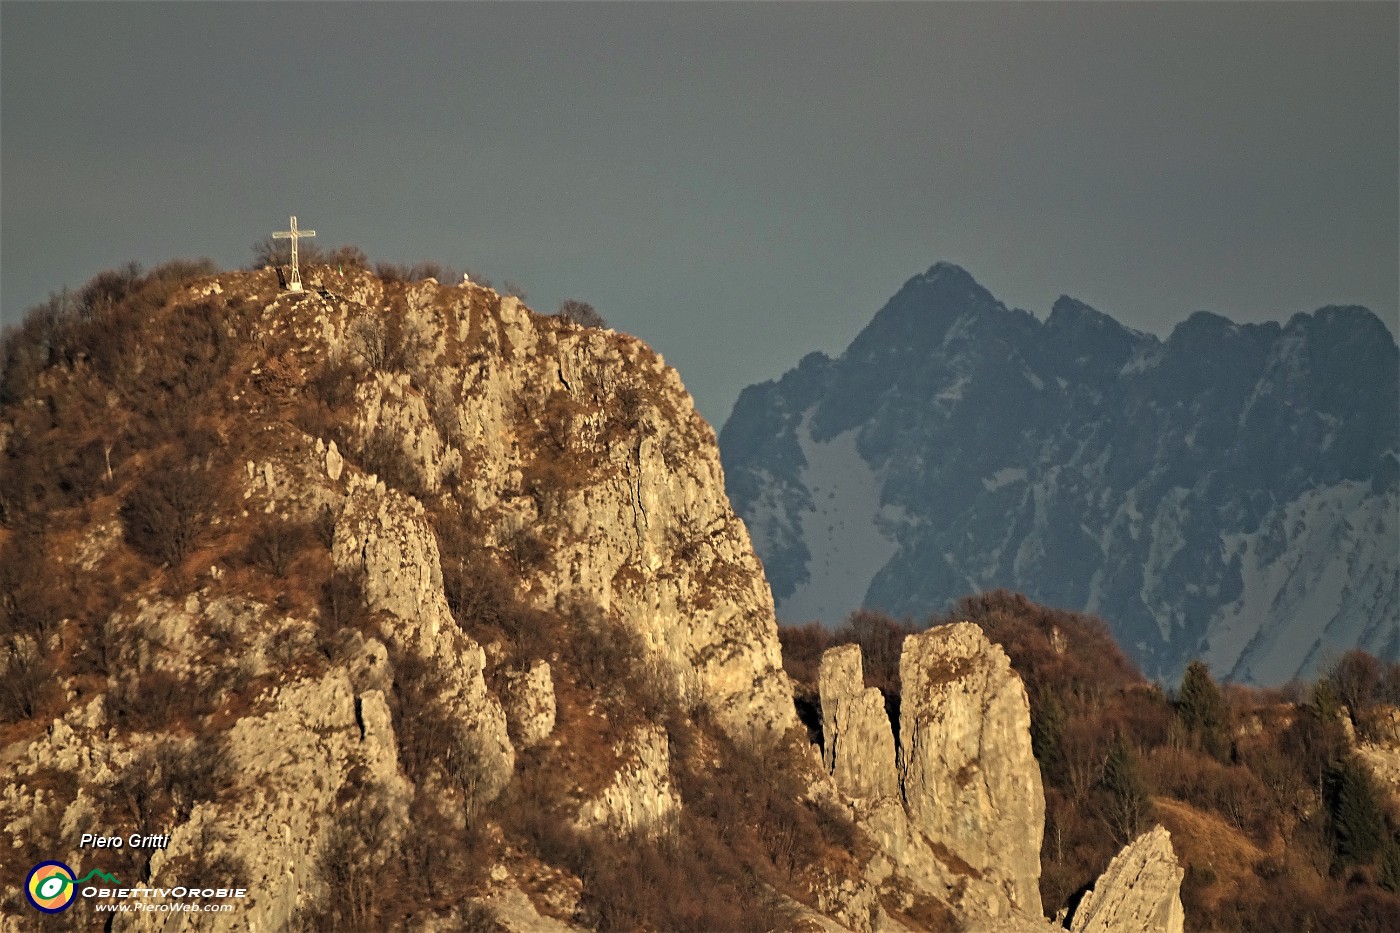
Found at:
(1229, 492)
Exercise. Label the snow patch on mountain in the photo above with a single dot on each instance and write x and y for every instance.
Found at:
(845, 529)
(1006, 476)
(1300, 585)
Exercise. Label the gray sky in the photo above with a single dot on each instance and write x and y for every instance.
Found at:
(738, 184)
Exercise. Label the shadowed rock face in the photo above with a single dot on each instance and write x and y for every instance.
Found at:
(1139, 892)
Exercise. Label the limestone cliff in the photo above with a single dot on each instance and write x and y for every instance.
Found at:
(301, 636)
(958, 811)
(858, 746)
(969, 776)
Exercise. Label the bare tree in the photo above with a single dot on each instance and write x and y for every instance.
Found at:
(581, 313)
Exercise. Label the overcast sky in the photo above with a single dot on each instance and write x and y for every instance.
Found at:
(738, 184)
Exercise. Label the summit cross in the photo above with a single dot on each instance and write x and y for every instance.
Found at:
(294, 283)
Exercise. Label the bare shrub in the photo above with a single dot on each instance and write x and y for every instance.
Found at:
(581, 313)
(30, 603)
(27, 681)
(349, 257)
(154, 700)
(382, 453)
(323, 526)
(391, 271)
(167, 512)
(426, 733)
(333, 385)
(527, 550)
(366, 334)
(803, 647)
(437, 864)
(163, 784)
(1356, 681)
(404, 346)
(429, 269)
(276, 545)
(351, 866)
(269, 252)
(343, 601)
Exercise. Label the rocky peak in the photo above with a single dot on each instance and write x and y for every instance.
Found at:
(417, 504)
(1082, 338)
(1088, 465)
(922, 311)
(959, 808)
(858, 744)
(967, 770)
(1139, 892)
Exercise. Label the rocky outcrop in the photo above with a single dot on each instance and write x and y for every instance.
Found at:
(958, 811)
(858, 743)
(529, 703)
(1139, 892)
(640, 798)
(382, 538)
(1375, 742)
(393, 418)
(970, 779)
(335, 463)
(632, 506)
(294, 760)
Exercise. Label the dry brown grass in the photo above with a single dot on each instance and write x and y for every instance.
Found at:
(1204, 840)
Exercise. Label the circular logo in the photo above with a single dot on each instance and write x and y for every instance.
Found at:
(50, 887)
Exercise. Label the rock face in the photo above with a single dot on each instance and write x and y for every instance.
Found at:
(1139, 892)
(858, 744)
(580, 442)
(640, 798)
(1229, 493)
(636, 522)
(968, 772)
(383, 538)
(1378, 748)
(959, 811)
(529, 703)
(298, 756)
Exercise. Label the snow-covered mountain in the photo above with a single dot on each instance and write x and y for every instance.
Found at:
(1232, 492)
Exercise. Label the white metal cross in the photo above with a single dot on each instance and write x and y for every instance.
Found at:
(294, 283)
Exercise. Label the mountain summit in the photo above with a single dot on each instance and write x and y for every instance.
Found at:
(395, 605)
(1229, 492)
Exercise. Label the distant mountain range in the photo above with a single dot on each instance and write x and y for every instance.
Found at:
(1231, 492)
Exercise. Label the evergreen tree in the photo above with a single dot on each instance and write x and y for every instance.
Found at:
(1128, 808)
(1389, 877)
(1202, 710)
(1047, 727)
(1357, 822)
